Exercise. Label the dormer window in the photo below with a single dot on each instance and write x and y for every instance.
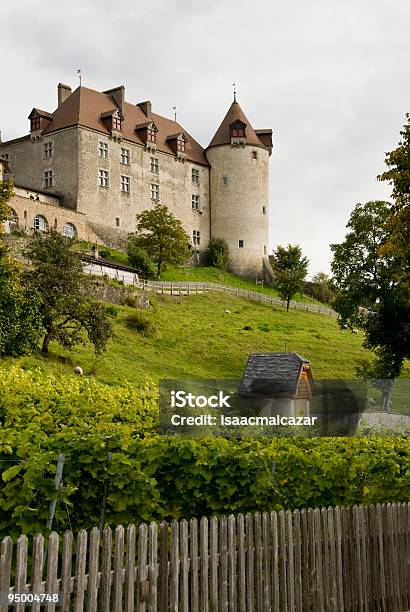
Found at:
(177, 143)
(238, 133)
(151, 135)
(116, 123)
(35, 123)
(112, 120)
(148, 134)
(39, 120)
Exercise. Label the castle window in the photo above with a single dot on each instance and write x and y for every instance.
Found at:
(154, 192)
(264, 210)
(254, 155)
(103, 178)
(47, 150)
(225, 180)
(265, 250)
(195, 176)
(238, 132)
(40, 223)
(240, 244)
(195, 202)
(180, 145)
(151, 135)
(117, 222)
(196, 237)
(48, 179)
(154, 165)
(35, 123)
(103, 150)
(125, 157)
(69, 230)
(125, 184)
(116, 123)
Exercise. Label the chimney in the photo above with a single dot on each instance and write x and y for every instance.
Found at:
(63, 92)
(118, 95)
(146, 107)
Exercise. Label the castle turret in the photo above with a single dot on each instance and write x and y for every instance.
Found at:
(239, 160)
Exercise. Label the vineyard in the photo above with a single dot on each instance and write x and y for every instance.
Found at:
(113, 453)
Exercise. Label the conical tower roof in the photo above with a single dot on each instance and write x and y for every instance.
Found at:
(223, 133)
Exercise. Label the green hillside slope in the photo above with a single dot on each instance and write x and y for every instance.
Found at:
(195, 337)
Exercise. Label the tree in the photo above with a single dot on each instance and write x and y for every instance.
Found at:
(290, 270)
(161, 235)
(19, 328)
(319, 288)
(66, 312)
(398, 175)
(371, 293)
(139, 258)
(217, 254)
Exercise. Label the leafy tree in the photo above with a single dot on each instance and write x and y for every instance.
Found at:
(66, 312)
(139, 259)
(217, 254)
(19, 328)
(398, 175)
(161, 235)
(320, 288)
(370, 292)
(290, 270)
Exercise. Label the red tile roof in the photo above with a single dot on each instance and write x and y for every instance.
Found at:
(223, 133)
(86, 106)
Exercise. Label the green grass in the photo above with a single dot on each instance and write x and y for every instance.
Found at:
(196, 338)
(112, 255)
(213, 275)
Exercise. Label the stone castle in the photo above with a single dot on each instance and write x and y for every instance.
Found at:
(93, 164)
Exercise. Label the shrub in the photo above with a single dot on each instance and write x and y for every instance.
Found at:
(217, 254)
(140, 260)
(140, 323)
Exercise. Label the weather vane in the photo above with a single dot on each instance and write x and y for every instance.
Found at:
(79, 75)
(234, 92)
(174, 108)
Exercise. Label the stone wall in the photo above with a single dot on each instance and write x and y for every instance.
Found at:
(117, 294)
(27, 162)
(26, 204)
(115, 209)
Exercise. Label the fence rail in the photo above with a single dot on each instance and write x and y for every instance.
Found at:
(323, 560)
(185, 288)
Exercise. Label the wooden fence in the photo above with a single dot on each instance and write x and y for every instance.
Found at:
(185, 288)
(323, 560)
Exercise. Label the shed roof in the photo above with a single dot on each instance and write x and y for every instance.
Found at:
(272, 374)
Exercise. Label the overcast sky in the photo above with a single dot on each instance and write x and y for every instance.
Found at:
(330, 77)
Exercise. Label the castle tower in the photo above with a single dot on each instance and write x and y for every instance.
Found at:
(239, 190)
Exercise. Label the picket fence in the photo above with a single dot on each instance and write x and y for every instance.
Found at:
(323, 560)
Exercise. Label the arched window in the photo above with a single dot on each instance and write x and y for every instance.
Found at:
(70, 230)
(13, 219)
(40, 223)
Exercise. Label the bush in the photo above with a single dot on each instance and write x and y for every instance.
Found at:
(217, 254)
(140, 260)
(140, 323)
(153, 477)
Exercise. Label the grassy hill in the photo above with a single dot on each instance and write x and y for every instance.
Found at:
(195, 337)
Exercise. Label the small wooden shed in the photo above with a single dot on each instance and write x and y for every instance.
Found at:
(281, 383)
